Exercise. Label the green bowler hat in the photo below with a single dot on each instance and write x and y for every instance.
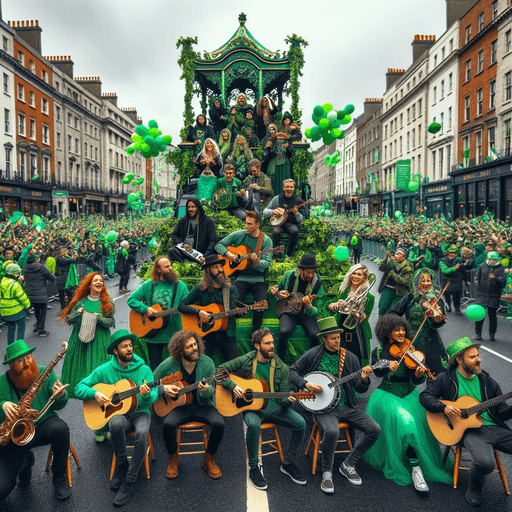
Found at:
(118, 337)
(328, 325)
(17, 349)
(459, 346)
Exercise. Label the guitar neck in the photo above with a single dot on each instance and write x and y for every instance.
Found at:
(268, 394)
(231, 312)
(166, 312)
(194, 386)
(136, 391)
(261, 253)
(488, 403)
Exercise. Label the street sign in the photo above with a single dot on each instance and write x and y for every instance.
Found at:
(403, 174)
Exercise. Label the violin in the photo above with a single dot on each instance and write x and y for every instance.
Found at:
(432, 308)
(410, 356)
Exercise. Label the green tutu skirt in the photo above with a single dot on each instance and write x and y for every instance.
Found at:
(404, 423)
(206, 186)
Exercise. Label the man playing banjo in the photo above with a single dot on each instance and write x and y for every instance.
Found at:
(331, 360)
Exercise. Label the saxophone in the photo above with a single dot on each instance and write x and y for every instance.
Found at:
(22, 429)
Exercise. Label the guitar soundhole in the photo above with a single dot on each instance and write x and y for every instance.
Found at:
(249, 397)
(115, 399)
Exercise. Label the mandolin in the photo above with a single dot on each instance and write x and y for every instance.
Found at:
(279, 220)
(292, 304)
(145, 326)
(243, 260)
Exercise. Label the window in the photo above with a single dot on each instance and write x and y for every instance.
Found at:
(95, 153)
(442, 88)
(441, 163)
(450, 118)
(478, 141)
(58, 140)
(5, 44)
(21, 92)
(69, 92)
(75, 97)
(413, 138)
(442, 53)
(44, 75)
(442, 121)
(468, 33)
(419, 135)
(77, 147)
(480, 62)
(481, 22)
(507, 137)
(435, 95)
(8, 163)
(76, 123)
(408, 115)
(448, 157)
(450, 82)
(401, 120)
(21, 58)
(465, 146)
(57, 86)
(6, 84)
(32, 99)
(494, 51)
(466, 109)
(7, 121)
(69, 142)
(408, 141)
(492, 94)
(451, 45)
(494, 9)
(96, 132)
(85, 127)
(57, 113)
(85, 149)
(491, 138)
(69, 119)
(479, 102)
(435, 61)
(32, 66)
(44, 106)
(508, 86)
(33, 165)
(33, 129)
(59, 165)
(508, 41)
(21, 124)
(419, 107)
(433, 166)
(46, 134)
(22, 164)
(46, 167)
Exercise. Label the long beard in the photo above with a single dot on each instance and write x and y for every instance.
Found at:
(222, 279)
(170, 277)
(27, 376)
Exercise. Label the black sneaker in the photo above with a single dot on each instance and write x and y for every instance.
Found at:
(350, 474)
(124, 494)
(43, 334)
(25, 475)
(48, 306)
(294, 473)
(61, 486)
(478, 337)
(257, 478)
(327, 484)
(36, 329)
(118, 476)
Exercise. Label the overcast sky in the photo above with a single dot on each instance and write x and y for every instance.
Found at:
(131, 44)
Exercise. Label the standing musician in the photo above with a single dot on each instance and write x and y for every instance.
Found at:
(251, 280)
(285, 201)
(123, 365)
(164, 288)
(263, 364)
(259, 186)
(186, 350)
(465, 377)
(304, 280)
(214, 288)
(195, 231)
(49, 429)
(331, 358)
(356, 331)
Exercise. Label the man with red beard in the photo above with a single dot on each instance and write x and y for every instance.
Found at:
(50, 429)
(164, 288)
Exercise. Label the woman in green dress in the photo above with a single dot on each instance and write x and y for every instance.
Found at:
(277, 155)
(209, 164)
(406, 447)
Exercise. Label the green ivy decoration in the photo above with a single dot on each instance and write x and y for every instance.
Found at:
(301, 163)
(296, 59)
(187, 62)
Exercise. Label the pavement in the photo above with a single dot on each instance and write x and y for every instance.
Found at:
(194, 491)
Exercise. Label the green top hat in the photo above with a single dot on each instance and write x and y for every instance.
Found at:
(328, 325)
(17, 349)
(452, 248)
(493, 255)
(458, 347)
(118, 337)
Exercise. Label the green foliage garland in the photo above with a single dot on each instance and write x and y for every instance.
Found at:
(296, 59)
(301, 163)
(182, 161)
(186, 61)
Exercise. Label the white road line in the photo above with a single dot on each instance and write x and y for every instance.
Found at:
(497, 354)
(121, 296)
(257, 501)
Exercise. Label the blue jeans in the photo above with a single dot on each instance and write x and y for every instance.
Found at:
(12, 325)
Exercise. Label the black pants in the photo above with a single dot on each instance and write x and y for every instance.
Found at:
(40, 312)
(357, 256)
(286, 325)
(52, 431)
(155, 354)
(193, 412)
(123, 280)
(62, 296)
(259, 292)
(179, 256)
(227, 344)
(456, 299)
(493, 322)
(287, 227)
(237, 212)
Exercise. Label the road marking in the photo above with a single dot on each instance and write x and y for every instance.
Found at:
(121, 296)
(496, 354)
(257, 501)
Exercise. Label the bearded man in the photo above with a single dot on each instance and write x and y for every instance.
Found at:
(241, 108)
(214, 288)
(16, 461)
(165, 289)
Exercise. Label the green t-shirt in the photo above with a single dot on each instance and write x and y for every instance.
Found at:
(330, 363)
(471, 387)
(263, 372)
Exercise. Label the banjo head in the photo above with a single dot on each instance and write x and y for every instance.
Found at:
(325, 400)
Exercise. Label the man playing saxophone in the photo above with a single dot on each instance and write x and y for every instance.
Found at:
(19, 399)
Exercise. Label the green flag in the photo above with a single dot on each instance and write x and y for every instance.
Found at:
(466, 153)
(495, 153)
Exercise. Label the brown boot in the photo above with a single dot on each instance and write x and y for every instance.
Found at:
(210, 466)
(172, 469)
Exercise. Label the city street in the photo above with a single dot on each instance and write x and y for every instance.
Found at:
(193, 490)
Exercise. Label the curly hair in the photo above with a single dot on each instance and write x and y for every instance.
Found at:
(387, 323)
(258, 335)
(83, 291)
(178, 341)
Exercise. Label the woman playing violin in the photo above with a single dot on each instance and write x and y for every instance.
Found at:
(406, 447)
(414, 306)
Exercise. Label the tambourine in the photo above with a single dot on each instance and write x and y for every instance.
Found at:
(222, 198)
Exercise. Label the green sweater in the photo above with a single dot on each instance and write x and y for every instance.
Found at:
(285, 281)
(111, 372)
(237, 238)
(232, 187)
(205, 368)
(140, 300)
(7, 394)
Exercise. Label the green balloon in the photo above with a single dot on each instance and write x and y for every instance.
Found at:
(111, 237)
(346, 119)
(349, 109)
(340, 114)
(141, 130)
(341, 253)
(319, 111)
(130, 150)
(307, 133)
(153, 124)
(324, 123)
(475, 312)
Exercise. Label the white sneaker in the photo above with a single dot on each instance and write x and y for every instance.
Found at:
(327, 484)
(419, 482)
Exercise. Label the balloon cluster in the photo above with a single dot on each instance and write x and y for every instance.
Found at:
(332, 160)
(128, 177)
(135, 201)
(433, 128)
(328, 122)
(148, 140)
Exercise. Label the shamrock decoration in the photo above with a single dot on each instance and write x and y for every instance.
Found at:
(328, 122)
(332, 160)
(148, 140)
(434, 127)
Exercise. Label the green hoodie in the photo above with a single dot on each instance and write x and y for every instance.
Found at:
(480, 255)
(111, 372)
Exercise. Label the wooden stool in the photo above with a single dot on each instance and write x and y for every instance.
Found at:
(314, 439)
(457, 465)
(71, 453)
(274, 443)
(146, 458)
(192, 426)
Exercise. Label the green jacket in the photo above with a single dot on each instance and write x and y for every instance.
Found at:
(7, 394)
(263, 181)
(205, 369)
(284, 284)
(111, 372)
(12, 297)
(140, 300)
(234, 187)
(400, 273)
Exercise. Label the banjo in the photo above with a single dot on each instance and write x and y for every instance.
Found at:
(279, 220)
(329, 397)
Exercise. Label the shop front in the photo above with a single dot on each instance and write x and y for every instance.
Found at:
(93, 204)
(11, 199)
(407, 202)
(60, 203)
(364, 206)
(75, 205)
(438, 199)
(387, 203)
(375, 204)
(36, 202)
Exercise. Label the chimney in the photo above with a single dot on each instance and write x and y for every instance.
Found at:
(91, 84)
(371, 105)
(455, 9)
(420, 45)
(131, 112)
(392, 76)
(29, 31)
(110, 96)
(62, 62)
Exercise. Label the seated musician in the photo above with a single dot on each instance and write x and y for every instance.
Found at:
(338, 362)
(262, 363)
(259, 186)
(166, 289)
(195, 230)
(304, 280)
(252, 280)
(465, 377)
(16, 461)
(186, 350)
(234, 188)
(214, 288)
(286, 201)
(123, 365)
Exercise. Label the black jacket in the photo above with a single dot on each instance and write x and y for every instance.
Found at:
(445, 387)
(205, 237)
(310, 361)
(215, 167)
(200, 131)
(260, 122)
(218, 123)
(37, 276)
(62, 269)
(488, 292)
(455, 278)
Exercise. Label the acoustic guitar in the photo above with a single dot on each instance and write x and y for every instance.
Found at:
(292, 304)
(145, 326)
(219, 319)
(243, 260)
(279, 220)
(256, 396)
(122, 400)
(164, 405)
(449, 431)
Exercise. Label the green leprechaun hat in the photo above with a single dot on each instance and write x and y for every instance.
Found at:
(328, 325)
(458, 347)
(17, 349)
